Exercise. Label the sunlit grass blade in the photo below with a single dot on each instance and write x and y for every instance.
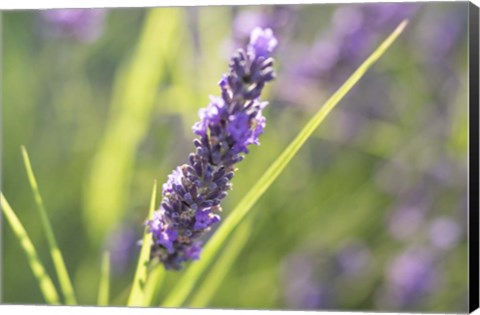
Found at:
(104, 285)
(210, 284)
(60, 268)
(136, 297)
(187, 282)
(122, 297)
(45, 282)
(154, 282)
(134, 98)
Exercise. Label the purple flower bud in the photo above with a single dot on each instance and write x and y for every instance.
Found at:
(204, 218)
(210, 115)
(239, 129)
(163, 233)
(193, 252)
(230, 123)
(173, 179)
(262, 42)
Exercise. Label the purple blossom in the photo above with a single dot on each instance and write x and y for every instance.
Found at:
(209, 115)
(230, 123)
(262, 42)
(411, 276)
(82, 24)
(193, 252)
(444, 232)
(163, 233)
(355, 29)
(204, 218)
(173, 179)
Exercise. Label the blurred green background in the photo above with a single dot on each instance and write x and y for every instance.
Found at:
(371, 214)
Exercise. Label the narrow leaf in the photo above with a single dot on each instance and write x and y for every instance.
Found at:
(219, 270)
(186, 284)
(154, 282)
(58, 262)
(104, 286)
(45, 282)
(136, 297)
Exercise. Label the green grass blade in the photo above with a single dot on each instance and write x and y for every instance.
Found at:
(58, 262)
(122, 297)
(134, 98)
(154, 282)
(45, 282)
(104, 286)
(214, 278)
(136, 297)
(185, 285)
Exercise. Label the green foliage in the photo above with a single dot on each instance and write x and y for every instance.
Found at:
(133, 101)
(219, 269)
(154, 282)
(44, 281)
(60, 268)
(104, 285)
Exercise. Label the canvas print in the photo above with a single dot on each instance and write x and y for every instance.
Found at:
(287, 157)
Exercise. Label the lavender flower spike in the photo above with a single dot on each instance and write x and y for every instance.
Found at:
(193, 191)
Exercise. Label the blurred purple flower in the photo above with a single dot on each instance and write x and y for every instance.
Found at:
(302, 289)
(389, 14)
(82, 24)
(356, 28)
(411, 275)
(440, 32)
(278, 18)
(122, 244)
(444, 232)
(247, 20)
(353, 259)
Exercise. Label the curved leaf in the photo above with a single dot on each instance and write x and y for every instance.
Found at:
(189, 279)
(45, 282)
